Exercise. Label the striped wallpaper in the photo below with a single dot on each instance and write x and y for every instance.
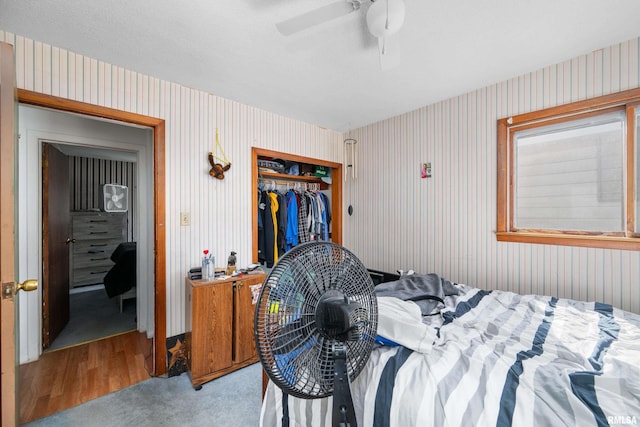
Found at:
(89, 174)
(445, 224)
(220, 209)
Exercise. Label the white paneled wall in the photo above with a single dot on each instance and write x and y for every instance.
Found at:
(220, 209)
(445, 224)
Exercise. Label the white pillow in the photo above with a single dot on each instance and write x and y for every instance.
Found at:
(401, 322)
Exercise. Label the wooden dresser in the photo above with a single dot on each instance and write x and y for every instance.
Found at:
(219, 326)
(95, 235)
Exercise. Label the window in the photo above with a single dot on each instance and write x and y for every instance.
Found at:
(568, 175)
(637, 169)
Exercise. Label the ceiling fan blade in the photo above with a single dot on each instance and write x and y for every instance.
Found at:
(317, 16)
(389, 52)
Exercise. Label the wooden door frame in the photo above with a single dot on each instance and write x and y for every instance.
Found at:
(159, 360)
(336, 191)
(8, 364)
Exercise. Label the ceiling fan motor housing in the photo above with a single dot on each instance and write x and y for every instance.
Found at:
(385, 17)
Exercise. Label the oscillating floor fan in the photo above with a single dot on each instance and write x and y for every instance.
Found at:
(315, 325)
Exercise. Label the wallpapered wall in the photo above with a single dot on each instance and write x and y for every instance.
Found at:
(220, 209)
(445, 224)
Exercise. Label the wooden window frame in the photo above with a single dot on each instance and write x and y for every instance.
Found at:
(628, 101)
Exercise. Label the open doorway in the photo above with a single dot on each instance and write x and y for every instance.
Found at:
(73, 138)
(89, 243)
(29, 254)
(150, 199)
(75, 141)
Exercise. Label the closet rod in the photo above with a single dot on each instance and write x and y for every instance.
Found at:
(291, 184)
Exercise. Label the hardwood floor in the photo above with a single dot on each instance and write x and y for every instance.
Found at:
(70, 376)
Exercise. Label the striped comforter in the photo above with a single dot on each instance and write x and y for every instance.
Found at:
(499, 359)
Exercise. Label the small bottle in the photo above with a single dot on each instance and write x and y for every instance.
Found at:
(231, 264)
(208, 262)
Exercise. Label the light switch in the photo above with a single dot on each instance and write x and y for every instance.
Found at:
(185, 218)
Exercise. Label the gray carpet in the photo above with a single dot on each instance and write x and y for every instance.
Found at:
(93, 316)
(232, 400)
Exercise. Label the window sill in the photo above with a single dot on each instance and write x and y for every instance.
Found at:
(604, 242)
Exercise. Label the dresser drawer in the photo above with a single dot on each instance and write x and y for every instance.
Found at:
(97, 247)
(101, 228)
(89, 275)
(92, 260)
(96, 236)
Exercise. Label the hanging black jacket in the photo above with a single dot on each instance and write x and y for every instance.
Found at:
(266, 236)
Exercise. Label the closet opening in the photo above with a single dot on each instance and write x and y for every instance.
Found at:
(309, 189)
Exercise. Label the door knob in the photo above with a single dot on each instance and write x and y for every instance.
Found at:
(27, 285)
(10, 289)
(70, 240)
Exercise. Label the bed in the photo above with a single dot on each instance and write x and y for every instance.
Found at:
(492, 358)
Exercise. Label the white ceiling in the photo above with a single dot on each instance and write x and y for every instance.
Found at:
(328, 75)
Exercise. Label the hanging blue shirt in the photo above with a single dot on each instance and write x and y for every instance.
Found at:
(325, 217)
(291, 234)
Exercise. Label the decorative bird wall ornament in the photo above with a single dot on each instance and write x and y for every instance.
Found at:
(218, 169)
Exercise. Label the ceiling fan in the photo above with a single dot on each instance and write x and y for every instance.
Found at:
(384, 18)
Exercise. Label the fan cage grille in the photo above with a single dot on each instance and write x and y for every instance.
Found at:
(295, 355)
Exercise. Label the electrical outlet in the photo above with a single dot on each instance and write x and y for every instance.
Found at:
(185, 218)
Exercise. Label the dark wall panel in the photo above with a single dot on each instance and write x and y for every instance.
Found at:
(89, 174)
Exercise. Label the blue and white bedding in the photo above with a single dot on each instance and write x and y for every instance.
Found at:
(497, 359)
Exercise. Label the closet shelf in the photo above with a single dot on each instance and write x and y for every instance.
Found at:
(275, 175)
(296, 178)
